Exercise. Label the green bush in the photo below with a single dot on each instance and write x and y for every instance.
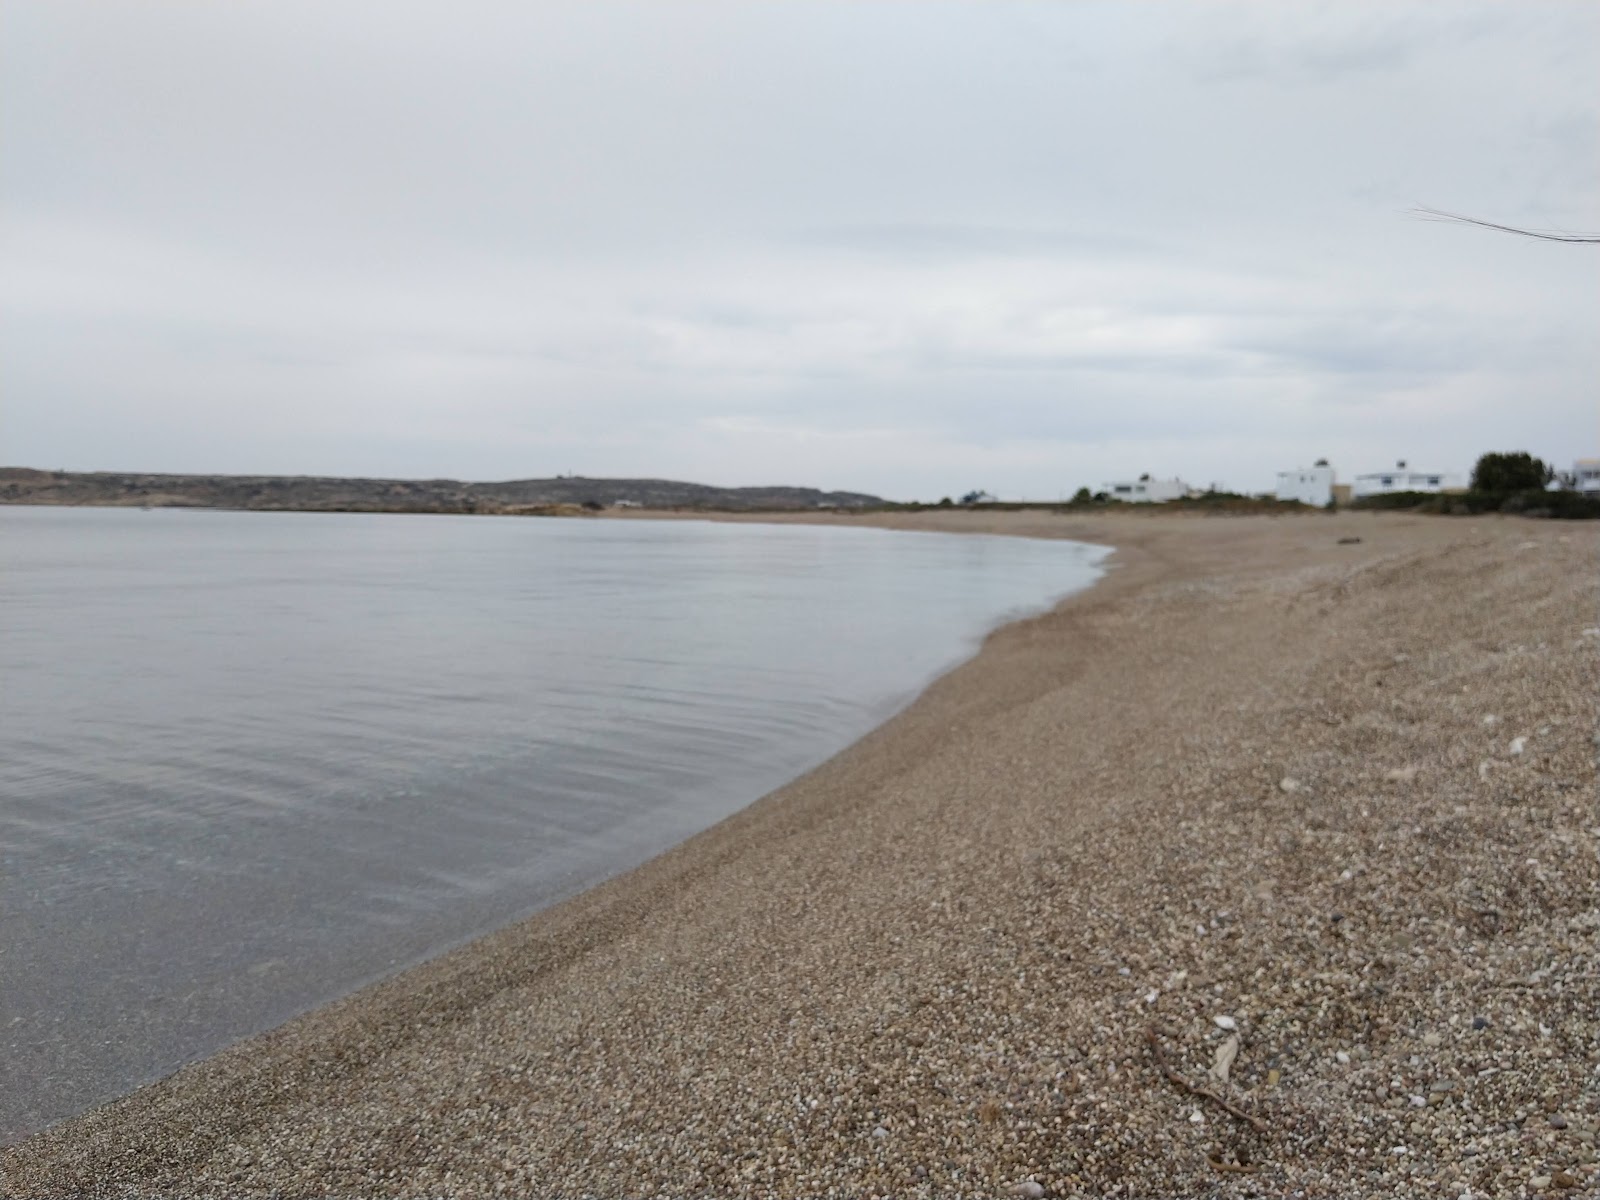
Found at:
(1527, 502)
(1502, 474)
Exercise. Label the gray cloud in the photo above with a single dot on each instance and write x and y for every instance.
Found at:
(932, 242)
(1006, 245)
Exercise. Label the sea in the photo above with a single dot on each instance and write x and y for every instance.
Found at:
(252, 761)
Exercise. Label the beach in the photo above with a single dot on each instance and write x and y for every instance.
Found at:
(1266, 866)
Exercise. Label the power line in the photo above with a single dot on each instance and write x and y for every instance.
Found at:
(1549, 235)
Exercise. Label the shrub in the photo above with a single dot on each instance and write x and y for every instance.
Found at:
(1528, 502)
(1501, 474)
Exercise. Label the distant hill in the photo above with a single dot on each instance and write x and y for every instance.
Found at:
(314, 493)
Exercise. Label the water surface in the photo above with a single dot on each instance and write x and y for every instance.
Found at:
(249, 761)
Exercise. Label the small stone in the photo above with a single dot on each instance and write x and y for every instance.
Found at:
(1491, 719)
(1402, 775)
(1564, 1179)
(1273, 1076)
(1289, 785)
(1480, 1022)
(1558, 1122)
(1518, 745)
(1419, 1101)
(1197, 1117)
(1539, 1182)
(880, 1132)
(1341, 1057)
(1225, 1023)
(1431, 1040)
(1028, 1189)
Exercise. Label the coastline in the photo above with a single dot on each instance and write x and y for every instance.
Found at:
(927, 935)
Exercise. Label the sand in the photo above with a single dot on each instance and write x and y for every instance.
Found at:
(1324, 810)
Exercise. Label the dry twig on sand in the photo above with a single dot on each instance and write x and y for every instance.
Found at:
(1225, 1167)
(1194, 1089)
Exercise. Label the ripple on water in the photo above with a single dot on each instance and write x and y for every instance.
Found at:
(250, 761)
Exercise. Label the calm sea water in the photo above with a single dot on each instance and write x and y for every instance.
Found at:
(250, 761)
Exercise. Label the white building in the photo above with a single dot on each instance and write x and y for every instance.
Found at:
(1404, 479)
(1586, 475)
(1145, 490)
(1309, 485)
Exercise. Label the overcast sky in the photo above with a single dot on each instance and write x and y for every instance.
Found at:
(904, 248)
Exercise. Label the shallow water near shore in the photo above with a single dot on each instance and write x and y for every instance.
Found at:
(250, 761)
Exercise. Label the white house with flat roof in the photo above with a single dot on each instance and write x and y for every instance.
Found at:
(1145, 490)
(1309, 485)
(1404, 479)
(1586, 475)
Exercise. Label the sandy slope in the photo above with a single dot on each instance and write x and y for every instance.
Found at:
(1341, 797)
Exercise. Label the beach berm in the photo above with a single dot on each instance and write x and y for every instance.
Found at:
(1270, 865)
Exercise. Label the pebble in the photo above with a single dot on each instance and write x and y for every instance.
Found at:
(1225, 1023)
(1028, 1189)
(1289, 785)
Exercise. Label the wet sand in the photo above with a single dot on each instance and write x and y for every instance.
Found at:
(1323, 811)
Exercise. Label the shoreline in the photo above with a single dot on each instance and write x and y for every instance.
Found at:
(855, 933)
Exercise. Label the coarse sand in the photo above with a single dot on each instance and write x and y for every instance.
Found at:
(1265, 867)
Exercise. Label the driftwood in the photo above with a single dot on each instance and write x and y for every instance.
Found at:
(1218, 1164)
(1194, 1089)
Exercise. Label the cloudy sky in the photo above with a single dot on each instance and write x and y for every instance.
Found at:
(905, 248)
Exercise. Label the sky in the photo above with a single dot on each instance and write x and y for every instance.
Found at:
(902, 248)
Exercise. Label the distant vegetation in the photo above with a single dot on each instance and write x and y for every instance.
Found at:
(1083, 501)
(1504, 474)
(1535, 502)
(563, 496)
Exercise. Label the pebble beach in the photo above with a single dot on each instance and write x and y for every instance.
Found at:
(1268, 866)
